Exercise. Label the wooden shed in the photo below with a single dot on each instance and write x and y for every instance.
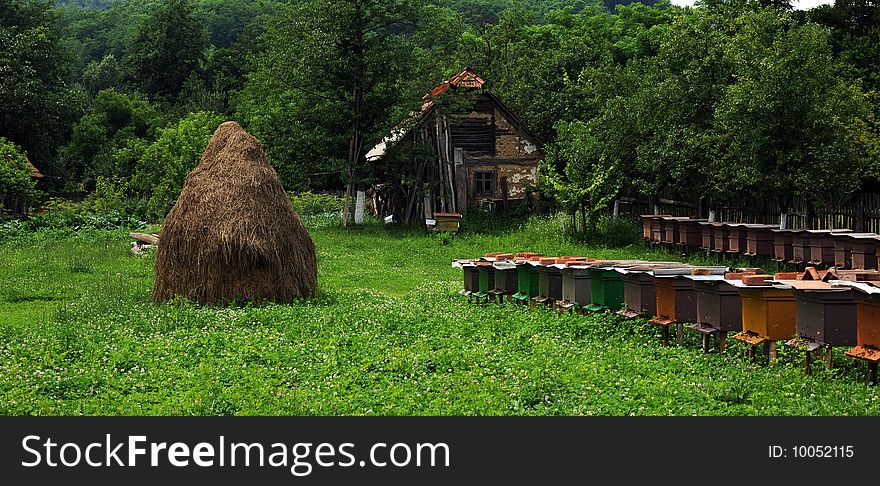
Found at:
(474, 151)
(13, 203)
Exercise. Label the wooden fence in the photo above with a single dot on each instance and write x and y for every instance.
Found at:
(860, 213)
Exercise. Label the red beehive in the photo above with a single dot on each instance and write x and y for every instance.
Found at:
(720, 237)
(782, 251)
(690, 233)
(737, 237)
(759, 240)
(706, 235)
(864, 250)
(867, 327)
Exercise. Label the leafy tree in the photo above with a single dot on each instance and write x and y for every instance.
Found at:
(115, 119)
(169, 46)
(36, 103)
(791, 123)
(163, 165)
(104, 74)
(325, 87)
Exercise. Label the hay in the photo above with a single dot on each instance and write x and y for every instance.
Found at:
(233, 233)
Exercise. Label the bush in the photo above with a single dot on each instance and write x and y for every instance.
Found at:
(108, 196)
(318, 210)
(59, 214)
(163, 165)
(611, 231)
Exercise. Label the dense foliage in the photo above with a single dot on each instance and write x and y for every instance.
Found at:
(711, 102)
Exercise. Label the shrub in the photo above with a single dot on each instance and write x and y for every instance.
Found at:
(318, 210)
(611, 231)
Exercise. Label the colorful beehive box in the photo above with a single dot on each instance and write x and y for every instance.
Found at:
(485, 279)
(864, 250)
(639, 295)
(800, 246)
(842, 250)
(576, 286)
(720, 237)
(719, 307)
(676, 300)
(549, 284)
(759, 240)
(826, 314)
(822, 246)
(690, 233)
(526, 281)
(867, 326)
(606, 289)
(471, 279)
(768, 313)
(737, 237)
(672, 233)
(446, 222)
(782, 250)
(707, 235)
(505, 278)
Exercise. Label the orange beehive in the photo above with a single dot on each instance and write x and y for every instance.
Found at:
(769, 312)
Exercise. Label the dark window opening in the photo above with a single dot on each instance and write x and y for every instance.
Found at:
(483, 183)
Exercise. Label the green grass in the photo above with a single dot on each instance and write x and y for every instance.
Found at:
(388, 334)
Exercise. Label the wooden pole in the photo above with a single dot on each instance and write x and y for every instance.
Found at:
(722, 342)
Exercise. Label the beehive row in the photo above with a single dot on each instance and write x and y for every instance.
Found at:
(815, 310)
(839, 248)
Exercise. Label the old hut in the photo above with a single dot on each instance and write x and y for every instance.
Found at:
(13, 202)
(233, 234)
(464, 148)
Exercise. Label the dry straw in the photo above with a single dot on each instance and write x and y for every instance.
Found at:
(233, 233)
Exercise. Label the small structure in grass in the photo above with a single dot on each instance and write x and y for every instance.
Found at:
(233, 234)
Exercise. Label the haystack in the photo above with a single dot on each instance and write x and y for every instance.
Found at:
(232, 233)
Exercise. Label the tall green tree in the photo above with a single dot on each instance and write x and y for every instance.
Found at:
(116, 119)
(37, 105)
(792, 123)
(326, 87)
(168, 49)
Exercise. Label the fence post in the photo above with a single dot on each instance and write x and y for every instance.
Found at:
(860, 213)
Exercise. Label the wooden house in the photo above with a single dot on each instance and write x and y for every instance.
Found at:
(13, 203)
(476, 151)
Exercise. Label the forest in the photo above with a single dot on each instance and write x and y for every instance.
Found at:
(725, 101)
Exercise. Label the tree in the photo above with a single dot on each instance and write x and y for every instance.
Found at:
(333, 78)
(791, 122)
(116, 118)
(36, 104)
(169, 46)
(163, 165)
(104, 74)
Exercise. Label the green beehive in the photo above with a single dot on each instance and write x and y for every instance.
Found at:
(606, 289)
(612, 284)
(487, 280)
(526, 282)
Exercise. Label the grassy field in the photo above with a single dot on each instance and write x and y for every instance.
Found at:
(388, 335)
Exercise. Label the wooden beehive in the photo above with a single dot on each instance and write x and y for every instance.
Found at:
(446, 222)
